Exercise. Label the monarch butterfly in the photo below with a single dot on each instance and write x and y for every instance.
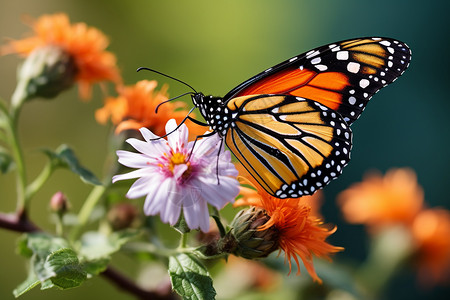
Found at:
(289, 125)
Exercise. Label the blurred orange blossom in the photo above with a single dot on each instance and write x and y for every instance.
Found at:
(135, 108)
(431, 232)
(379, 200)
(397, 199)
(86, 45)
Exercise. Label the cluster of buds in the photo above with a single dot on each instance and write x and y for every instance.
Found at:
(245, 238)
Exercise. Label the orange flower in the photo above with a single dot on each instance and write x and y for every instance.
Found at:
(86, 45)
(300, 233)
(431, 231)
(135, 108)
(379, 201)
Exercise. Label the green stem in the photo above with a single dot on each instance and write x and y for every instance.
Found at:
(16, 151)
(3, 136)
(183, 241)
(35, 186)
(3, 107)
(216, 216)
(59, 224)
(87, 208)
(389, 250)
(19, 96)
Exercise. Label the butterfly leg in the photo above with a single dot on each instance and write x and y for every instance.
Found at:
(197, 138)
(198, 122)
(217, 162)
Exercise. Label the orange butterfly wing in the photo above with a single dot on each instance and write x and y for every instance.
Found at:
(342, 76)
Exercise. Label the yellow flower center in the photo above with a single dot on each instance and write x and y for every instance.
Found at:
(178, 159)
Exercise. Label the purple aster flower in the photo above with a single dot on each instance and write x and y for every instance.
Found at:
(171, 180)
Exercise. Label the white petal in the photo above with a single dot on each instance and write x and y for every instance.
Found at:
(152, 148)
(204, 216)
(133, 174)
(170, 211)
(219, 195)
(207, 146)
(178, 170)
(151, 206)
(179, 138)
(141, 187)
(134, 160)
(226, 168)
(197, 215)
(147, 134)
(158, 200)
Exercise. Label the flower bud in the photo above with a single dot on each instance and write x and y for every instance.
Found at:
(59, 203)
(45, 73)
(251, 241)
(122, 216)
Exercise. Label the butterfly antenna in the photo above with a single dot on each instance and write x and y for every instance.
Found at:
(157, 72)
(168, 100)
(181, 123)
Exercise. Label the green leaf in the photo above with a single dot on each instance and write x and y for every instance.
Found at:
(96, 266)
(48, 284)
(66, 158)
(181, 225)
(64, 269)
(52, 263)
(22, 246)
(43, 244)
(189, 278)
(31, 282)
(38, 246)
(95, 245)
(6, 162)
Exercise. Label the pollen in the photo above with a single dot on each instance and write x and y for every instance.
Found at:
(178, 158)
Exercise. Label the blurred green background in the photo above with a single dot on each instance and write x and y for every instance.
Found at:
(216, 45)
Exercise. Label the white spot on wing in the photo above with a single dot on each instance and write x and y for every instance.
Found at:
(342, 55)
(364, 83)
(338, 48)
(321, 67)
(353, 67)
(316, 60)
(312, 54)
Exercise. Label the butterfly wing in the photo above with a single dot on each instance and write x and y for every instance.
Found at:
(292, 146)
(342, 76)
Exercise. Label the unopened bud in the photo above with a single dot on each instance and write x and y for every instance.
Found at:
(122, 216)
(45, 73)
(250, 241)
(59, 203)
